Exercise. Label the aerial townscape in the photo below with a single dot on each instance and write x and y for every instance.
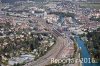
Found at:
(49, 32)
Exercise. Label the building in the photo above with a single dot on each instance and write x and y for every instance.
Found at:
(51, 18)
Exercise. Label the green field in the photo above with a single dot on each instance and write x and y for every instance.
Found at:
(90, 5)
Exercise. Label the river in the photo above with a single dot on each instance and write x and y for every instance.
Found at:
(81, 44)
(84, 52)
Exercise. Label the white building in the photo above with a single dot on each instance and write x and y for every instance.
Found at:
(21, 59)
(51, 18)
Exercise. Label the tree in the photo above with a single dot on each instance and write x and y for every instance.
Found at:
(7, 14)
(31, 47)
(94, 43)
(94, 18)
(17, 64)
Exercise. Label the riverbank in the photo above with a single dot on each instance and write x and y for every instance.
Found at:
(77, 53)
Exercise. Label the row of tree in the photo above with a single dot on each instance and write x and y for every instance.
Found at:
(94, 18)
(93, 43)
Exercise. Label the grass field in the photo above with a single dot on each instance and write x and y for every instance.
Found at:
(90, 5)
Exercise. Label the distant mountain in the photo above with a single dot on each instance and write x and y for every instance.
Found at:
(10, 1)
